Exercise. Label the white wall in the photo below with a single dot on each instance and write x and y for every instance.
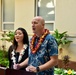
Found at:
(24, 12)
(66, 21)
(0, 15)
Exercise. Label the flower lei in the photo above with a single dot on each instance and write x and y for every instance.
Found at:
(34, 49)
(20, 55)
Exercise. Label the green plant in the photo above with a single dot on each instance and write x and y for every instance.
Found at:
(60, 71)
(4, 58)
(8, 36)
(69, 72)
(61, 38)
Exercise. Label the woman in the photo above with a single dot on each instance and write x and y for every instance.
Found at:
(18, 51)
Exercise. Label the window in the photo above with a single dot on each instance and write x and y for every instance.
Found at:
(8, 14)
(46, 9)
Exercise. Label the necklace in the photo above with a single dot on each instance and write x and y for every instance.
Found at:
(13, 58)
(34, 49)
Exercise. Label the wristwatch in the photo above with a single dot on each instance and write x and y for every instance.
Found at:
(37, 69)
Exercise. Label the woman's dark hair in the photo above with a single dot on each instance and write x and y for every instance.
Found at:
(25, 39)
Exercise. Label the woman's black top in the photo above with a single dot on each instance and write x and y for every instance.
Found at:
(17, 56)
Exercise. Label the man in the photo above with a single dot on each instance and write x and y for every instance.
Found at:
(43, 54)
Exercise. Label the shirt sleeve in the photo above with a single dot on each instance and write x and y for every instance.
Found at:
(52, 46)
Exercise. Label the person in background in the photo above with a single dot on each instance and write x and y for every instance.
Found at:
(43, 50)
(18, 51)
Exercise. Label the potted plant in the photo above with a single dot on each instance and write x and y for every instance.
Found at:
(4, 58)
(6, 36)
(61, 39)
(60, 71)
(66, 61)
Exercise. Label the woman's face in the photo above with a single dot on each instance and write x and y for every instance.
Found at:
(19, 36)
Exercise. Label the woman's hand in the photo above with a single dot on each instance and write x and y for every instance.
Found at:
(16, 66)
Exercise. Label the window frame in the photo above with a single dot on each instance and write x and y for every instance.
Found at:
(46, 22)
(3, 23)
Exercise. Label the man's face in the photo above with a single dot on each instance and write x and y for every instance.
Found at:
(36, 25)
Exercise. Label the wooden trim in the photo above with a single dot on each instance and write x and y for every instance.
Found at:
(71, 64)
